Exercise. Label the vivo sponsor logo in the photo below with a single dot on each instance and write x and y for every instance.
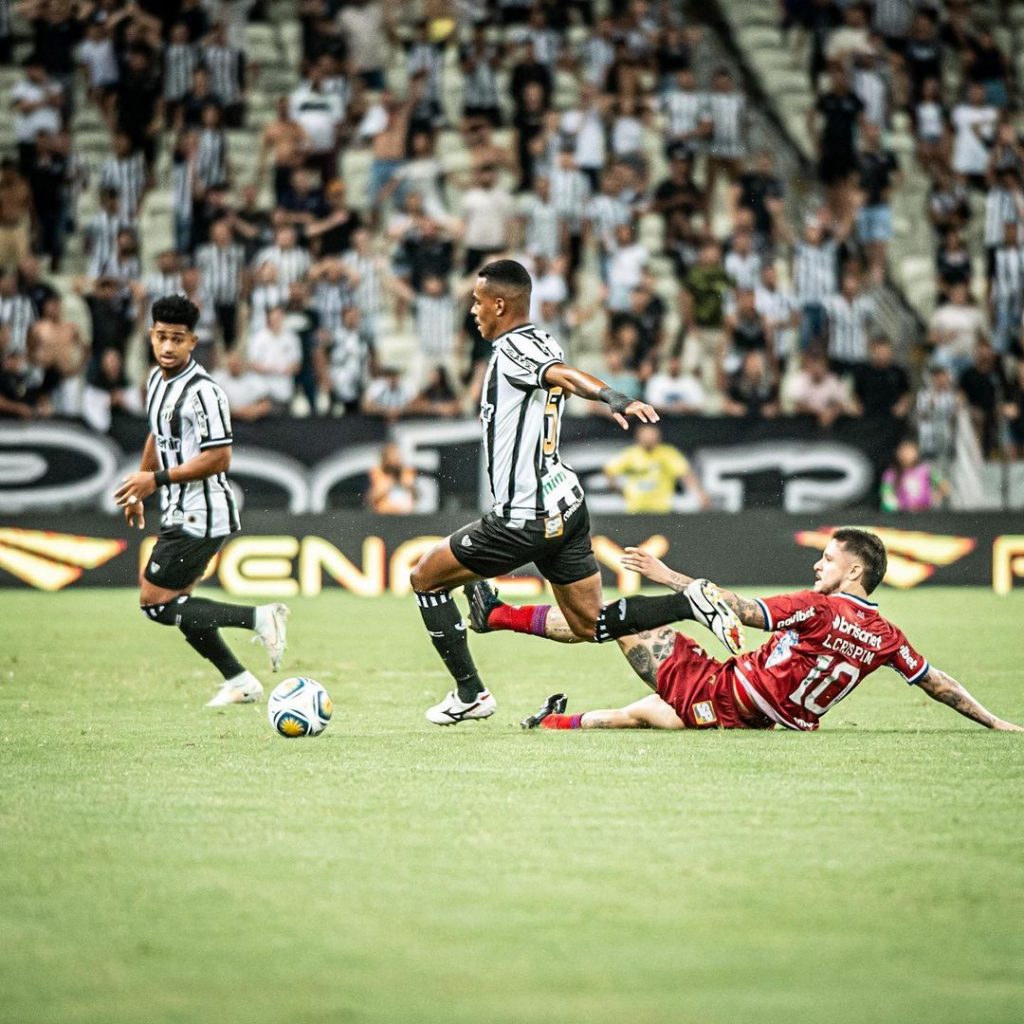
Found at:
(844, 626)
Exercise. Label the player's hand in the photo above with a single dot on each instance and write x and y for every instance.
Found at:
(643, 562)
(1000, 726)
(641, 410)
(135, 515)
(135, 489)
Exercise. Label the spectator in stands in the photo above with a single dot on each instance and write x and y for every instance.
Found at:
(984, 387)
(815, 277)
(956, 329)
(948, 200)
(56, 347)
(284, 143)
(388, 396)
(974, 121)
(386, 127)
(227, 66)
(246, 391)
(674, 392)
(746, 330)
(626, 264)
(344, 361)
(985, 63)
(107, 390)
(480, 60)
(38, 101)
(851, 313)
(16, 313)
(936, 408)
(752, 391)
(15, 214)
(487, 213)
(22, 392)
(392, 484)
(953, 264)
(702, 304)
(649, 472)
(911, 484)
(726, 112)
(931, 129)
(320, 114)
(881, 387)
(367, 26)
(1013, 412)
(1006, 288)
(879, 173)
(840, 110)
(743, 262)
(437, 398)
(921, 58)
(275, 355)
(781, 314)
(818, 392)
(761, 191)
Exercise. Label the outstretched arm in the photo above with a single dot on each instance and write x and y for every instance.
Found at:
(577, 382)
(637, 560)
(944, 688)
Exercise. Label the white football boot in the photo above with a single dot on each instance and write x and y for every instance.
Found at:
(271, 631)
(244, 688)
(451, 710)
(712, 612)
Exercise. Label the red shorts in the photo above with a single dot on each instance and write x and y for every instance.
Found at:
(702, 691)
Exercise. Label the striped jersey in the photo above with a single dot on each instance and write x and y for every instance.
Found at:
(521, 418)
(188, 414)
(815, 275)
(684, 110)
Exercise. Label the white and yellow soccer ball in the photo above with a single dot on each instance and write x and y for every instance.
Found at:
(299, 707)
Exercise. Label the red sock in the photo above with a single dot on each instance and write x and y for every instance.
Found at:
(563, 721)
(528, 618)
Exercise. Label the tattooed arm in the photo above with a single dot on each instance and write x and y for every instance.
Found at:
(945, 689)
(637, 560)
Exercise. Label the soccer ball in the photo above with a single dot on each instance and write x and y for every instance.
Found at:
(299, 707)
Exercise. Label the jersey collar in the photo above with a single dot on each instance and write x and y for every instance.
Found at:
(862, 601)
(512, 330)
(189, 366)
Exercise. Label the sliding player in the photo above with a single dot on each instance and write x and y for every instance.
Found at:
(538, 513)
(186, 456)
(825, 642)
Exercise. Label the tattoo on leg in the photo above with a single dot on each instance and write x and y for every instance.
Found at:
(642, 660)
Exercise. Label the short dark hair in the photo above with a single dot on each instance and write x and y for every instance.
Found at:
(869, 548)
(176, 309)
(508, 276)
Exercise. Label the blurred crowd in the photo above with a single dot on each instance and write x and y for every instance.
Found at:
(604, 144)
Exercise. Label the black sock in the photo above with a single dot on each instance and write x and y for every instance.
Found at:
(210, 645)
(202, 614)
(635, 614)
(448, 633)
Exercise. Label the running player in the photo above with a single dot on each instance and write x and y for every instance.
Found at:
(825, 641)
(186, 456)
(539, 513)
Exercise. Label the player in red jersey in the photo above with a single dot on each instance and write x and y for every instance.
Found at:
(825, 642)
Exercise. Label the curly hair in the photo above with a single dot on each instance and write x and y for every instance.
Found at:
(176, 309)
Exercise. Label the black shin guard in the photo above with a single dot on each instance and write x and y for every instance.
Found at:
(199, 614)
(448, 633)
(210, 645)
(635, 614)
(187, 614)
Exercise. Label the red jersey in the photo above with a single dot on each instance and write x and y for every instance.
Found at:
(822, 647)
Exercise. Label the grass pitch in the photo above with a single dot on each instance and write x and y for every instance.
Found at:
(164, 863)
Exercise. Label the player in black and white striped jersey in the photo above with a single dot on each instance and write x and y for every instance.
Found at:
(186, 458)
(538, 512)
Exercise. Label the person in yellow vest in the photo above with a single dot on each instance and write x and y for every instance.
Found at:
(648, 472)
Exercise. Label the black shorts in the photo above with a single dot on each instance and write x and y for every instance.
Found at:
(177, 562)
(559, 546)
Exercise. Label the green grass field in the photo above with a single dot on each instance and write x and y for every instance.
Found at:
(164, 863)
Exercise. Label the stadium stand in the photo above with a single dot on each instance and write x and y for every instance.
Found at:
(677, 176)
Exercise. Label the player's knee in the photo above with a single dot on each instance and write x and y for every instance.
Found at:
(418, 578)
(164, 614)
(582, 626)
